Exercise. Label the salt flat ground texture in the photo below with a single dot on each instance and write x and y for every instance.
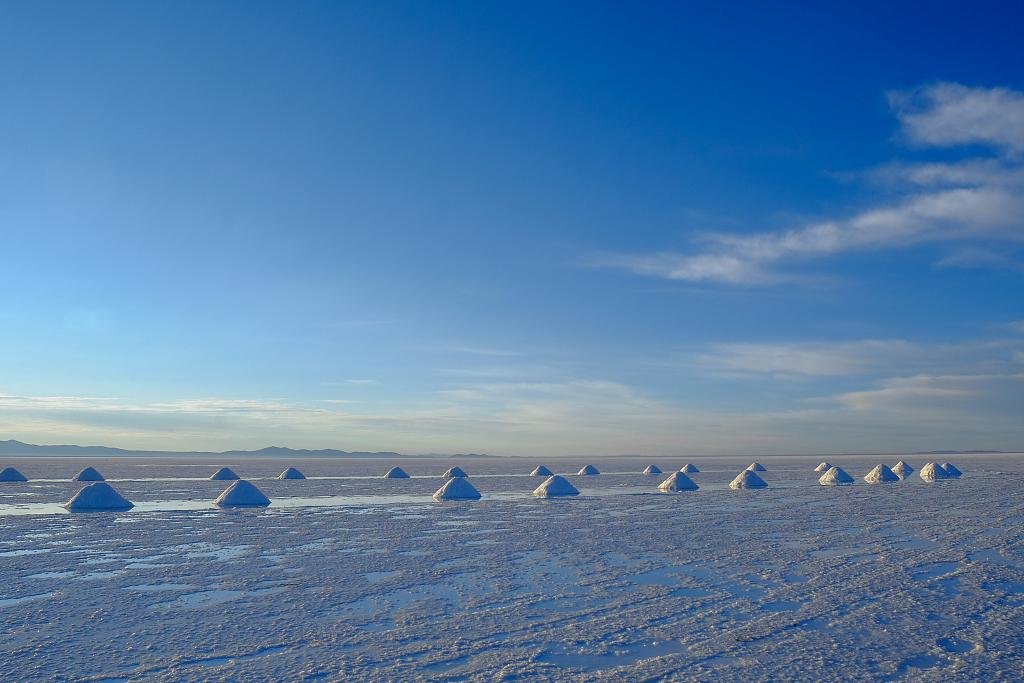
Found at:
(353, 577)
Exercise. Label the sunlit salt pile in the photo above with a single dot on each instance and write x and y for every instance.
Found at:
(902, 470)
(677, 481)
(98, 496)
(835, 476)
(689, 468)
(453, 472)
(457, 488)
(291, 473)
(932, 472)
(652, 469)
(88, 474)
(880, 474)
(748, 479)
(396, 473)
(224, 474)
(554, 486)
(823, 467)
(242, 494)
(756, 467)
(11, 474)
(541, 471)
(951, 470)
(588, 470)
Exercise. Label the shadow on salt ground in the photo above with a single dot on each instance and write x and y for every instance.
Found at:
(618, 655)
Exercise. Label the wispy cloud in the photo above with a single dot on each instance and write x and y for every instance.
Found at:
(980, 199)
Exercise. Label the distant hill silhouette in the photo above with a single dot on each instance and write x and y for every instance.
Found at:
(12, 447)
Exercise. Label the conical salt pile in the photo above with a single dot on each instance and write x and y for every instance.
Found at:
(396, 473)
(88, 474)
(748, 479)
(291, 473)
(588, 469)
(457, 488)
(453, 472)
(677, 481)
(541, 471)
(756, 467)
(835, 476)
(11, 474)
(98, 496)
(554, 486)
(652, 469)
(932, 472)
(823, 467)
(689, 468)
(242, 494)
(902, 470)
(224, 474)
(951, 471)
(881, 474)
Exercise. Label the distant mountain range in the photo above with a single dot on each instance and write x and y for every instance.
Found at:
(12, 447)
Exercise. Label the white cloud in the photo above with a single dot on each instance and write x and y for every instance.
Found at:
(973, 200)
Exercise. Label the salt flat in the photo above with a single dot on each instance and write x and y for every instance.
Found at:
(348, 576)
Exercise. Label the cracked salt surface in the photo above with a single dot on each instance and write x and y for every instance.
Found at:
(374, 581)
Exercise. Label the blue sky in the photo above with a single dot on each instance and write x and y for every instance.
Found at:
(518, 229)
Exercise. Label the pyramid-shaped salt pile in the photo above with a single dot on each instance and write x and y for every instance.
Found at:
(932, 472)
(291, 473)
(98, 496)
(902, 470)
(881, 474)
(748, 479)
(951, 471)
(588, 469)
(541, 471)
(88, 474)
(453, 472)
(756, 467)
(224, 474)
(823, 467)
(835, 476)
(11, 474)
(555, 485)
(652, 469)
(396, 473)
(242, 494)
(689, 468)
(677, 481)
(457, 488)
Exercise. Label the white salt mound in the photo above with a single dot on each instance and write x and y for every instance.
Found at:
(902, 470)
(652, 469)
(677, 481)
(689, 468)
(242, 494)
(588, 469)
(748, 479)
(756, 467)
(932, 472)
(541, 471)
(88, 474)
(11, 474)
(396, 473)
(224, 474)
(457, 488)
(823, 467)
(453, 472)
(881, 474)
(98, 496)
(291, 473)
(555, 485)
(835, 476)
(951, 470)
